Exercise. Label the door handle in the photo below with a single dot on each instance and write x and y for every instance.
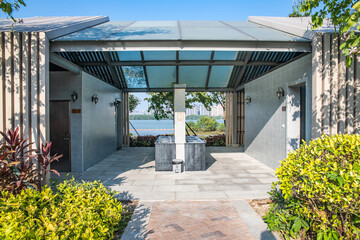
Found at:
(67, 137)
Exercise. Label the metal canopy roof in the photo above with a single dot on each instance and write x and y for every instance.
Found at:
(158, 70)
(205, 55)
(54, 27)
(181, 30)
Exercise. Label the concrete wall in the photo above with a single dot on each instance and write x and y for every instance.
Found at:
(98, 120)
(93, 132)
(62, 85)
(272, 126)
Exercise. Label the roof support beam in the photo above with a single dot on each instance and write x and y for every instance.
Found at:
(145, 72)
(62, 62)
(177, 67)
(237, 88)
(172, 89)
(113, 73)
(175, 45)
(241, 74)
(123, 78)
(209, 70)
(181, 63)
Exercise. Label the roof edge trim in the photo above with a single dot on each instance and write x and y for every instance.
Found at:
(280, 26)
(59, 32)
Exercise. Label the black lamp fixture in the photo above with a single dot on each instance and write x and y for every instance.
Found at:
(95, 99)
(280, 92)
(117, 102)
(248, 99)
(74, 96)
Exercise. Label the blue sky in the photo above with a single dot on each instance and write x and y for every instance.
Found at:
(129, 10)
(237, 10)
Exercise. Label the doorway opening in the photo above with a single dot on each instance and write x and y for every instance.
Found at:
(60, 134)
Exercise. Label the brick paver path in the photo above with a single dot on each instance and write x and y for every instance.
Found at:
(177, 220)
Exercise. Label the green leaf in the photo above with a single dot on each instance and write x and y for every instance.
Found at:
(356, 6)
(356, 167)
(320, 236)
(340, 180)
(349, 61)
(297, 225)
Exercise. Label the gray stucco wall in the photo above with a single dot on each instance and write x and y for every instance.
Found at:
(99, 120)
(93, 132)
(62, 85)
(270, 129)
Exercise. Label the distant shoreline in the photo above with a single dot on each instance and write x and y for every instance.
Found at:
(189, 117)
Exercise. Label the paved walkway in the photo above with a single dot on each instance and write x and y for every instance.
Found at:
(186, 220)
(230, 175)
(196, 220)
(191, 205)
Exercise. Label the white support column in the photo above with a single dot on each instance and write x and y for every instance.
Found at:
(179, 120)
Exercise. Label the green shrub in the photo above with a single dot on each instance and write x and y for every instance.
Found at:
(73, 211)
(317, 195)
(221, 127)
(143, 141)
(206, 123)
(192, 125)
(216, 141)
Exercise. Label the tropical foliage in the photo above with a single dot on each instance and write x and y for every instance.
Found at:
(143, 141)
(151, 117)
(162, 103)
(318, 192)
(216, 141)
(344, 15)
(18, 163)
(9, 7)
(206, 124)
(133, 102)
(73, 211)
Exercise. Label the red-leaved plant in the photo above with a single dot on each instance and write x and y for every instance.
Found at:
(44, 160)
(20, 167)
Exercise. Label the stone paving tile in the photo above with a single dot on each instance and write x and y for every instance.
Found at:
(201, 195)
(230, 174)
(196, 220)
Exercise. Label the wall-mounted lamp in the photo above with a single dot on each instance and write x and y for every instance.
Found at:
(280, 92)
(117, 102)
(95, 99)
(248, 99)
(74, 96)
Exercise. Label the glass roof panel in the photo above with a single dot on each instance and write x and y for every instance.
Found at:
(204, 24)
(161, 76)
(154, 24)
(193, 76)
(159, 55)
(170, 30)
(213, 33)
(97, 32)
(242, 24)
(194, 55)
(225, 55)
(134, 76)
(146, 33)
(129, 55)
(268, 34)
(220, 76)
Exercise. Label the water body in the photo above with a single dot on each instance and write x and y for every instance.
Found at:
(155, 127)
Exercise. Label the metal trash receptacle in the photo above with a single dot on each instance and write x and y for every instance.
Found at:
(178, 165)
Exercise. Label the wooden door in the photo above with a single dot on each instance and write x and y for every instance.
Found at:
(60, 134)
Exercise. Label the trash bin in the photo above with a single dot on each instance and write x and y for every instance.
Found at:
(178, 165)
